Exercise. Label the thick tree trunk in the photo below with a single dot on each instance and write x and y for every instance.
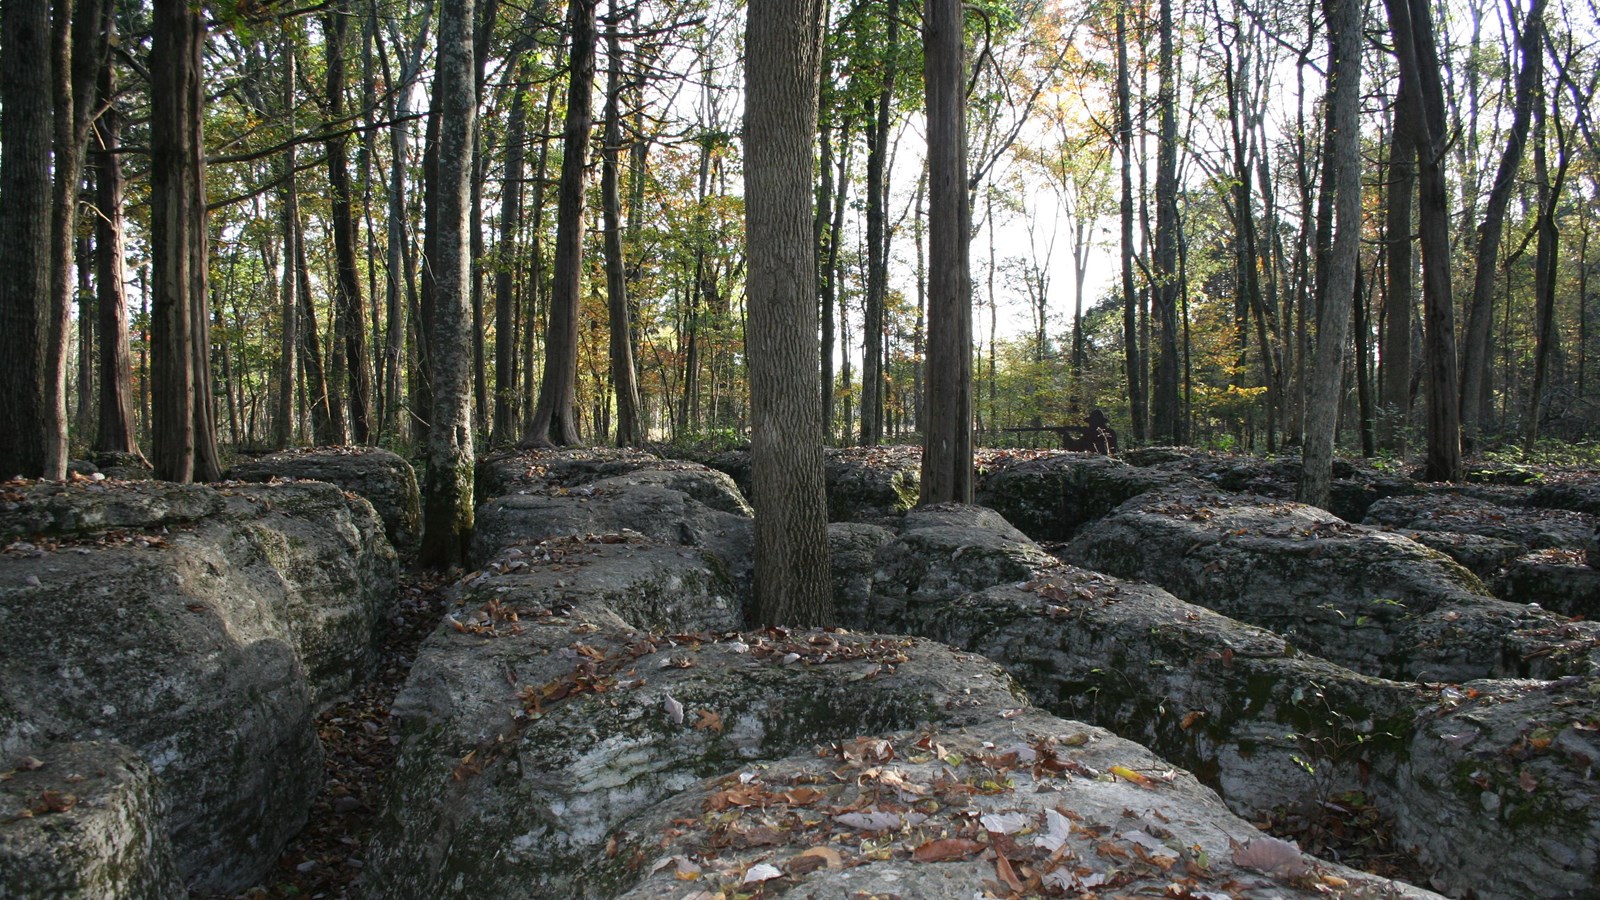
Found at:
(624, 381)
(183, 440)
(355, 373)
(1412, 28)
(947, 455)
(555, 419)
(1475, 351)
(116, 427)
(793, 585)
(447, 494)
(32, 443)
(1342, 168)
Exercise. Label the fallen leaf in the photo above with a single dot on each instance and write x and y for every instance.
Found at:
(1002, 867)
(1527, 782)
(761, 872)
(1128, 774)
(1272, 856)
(946, 849)
(1190, 719)
(709, 721)
(814, 859)
(870, 821)
(1004, 823)
(674, 710)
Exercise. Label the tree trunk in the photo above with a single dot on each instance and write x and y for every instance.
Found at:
(1342, 168)
(33, 442)
(947, 454)
(447, 494)
(872, 355)
(1480, 314)
(183, 439)
(505, 268)
(1412, 28)
(1546, 336)
(624, 381)
(793, 585)
(1166, 412)
(348, 304)
(1133, 362)
(116, 426)
(554, 420)
(1395, 359)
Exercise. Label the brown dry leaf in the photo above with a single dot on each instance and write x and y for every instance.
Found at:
(813, 859)
(1527, 782)
(1002, 867)
(801, 796)
(946, 849)
(1191, 718)
(709, 721)
(52, 802)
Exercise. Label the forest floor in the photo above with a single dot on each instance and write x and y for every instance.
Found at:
(359, 742)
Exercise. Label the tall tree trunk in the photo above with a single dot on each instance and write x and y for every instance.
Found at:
(285, 418)
(947, 454)
(327, 419)
(624, 381)
(1369, 446)
(355, 373)
(1342, 168)
(1412, 27)
(1475, 351)
(183, 445)
(1546, 336)
(1133, 361)
(29, 442)
(447, 495)
(554, 420)
(115, 427)
(505, 295)
(793, 585)
(1167, 414)
(1395, 358)
(872, 356)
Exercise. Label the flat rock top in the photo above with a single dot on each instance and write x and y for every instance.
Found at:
(44, 507)
(1028, 805)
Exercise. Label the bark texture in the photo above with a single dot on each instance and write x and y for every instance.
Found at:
(947, 456)
(792, 581)
(447, 496)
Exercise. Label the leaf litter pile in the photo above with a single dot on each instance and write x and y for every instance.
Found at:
(1029, 819)
(358, 746)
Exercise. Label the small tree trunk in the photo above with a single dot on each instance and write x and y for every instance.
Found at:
(1480, 314)
(624, 382)
(1342, 168)
(348, 304)
(1395, 359)
(116, 426)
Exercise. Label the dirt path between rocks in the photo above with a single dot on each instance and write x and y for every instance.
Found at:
(358, 746)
